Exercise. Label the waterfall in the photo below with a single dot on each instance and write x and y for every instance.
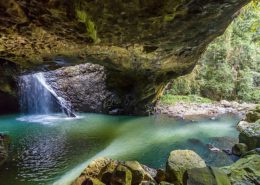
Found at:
(37, 97)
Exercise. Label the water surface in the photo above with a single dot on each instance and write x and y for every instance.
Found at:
(54, 149)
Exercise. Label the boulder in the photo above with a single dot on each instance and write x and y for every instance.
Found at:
(121, 176)
(179, 161)
(94, 168)
(239, 149)
(253, 115)
(206, 176)
(138, 173)
(87, 181)
(160, 176)
(249, 134)
(246, 171)
(106, 174)
(92, 171)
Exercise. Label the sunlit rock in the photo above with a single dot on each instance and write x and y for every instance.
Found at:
(179, 161)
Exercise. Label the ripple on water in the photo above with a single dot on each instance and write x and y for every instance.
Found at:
(53, 148)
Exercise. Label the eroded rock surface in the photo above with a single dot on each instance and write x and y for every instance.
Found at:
(142, 44)
(84, 86)
(107, 171)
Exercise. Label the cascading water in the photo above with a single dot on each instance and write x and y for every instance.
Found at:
(37, 97)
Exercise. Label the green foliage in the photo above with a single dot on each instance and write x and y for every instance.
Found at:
(230, 67)
(90, 26)
(172, 99)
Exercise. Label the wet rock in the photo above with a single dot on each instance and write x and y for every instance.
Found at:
(160, 176)
(92, 170)
(106, 174)
(214, 158)
(206, 176)
(239, 149)
(245, 171)
(179, 161)
(84, 86)
(249, 134)
(150, 172)
(227, 151)
(87, 181)
(138, 173)
(121, 176)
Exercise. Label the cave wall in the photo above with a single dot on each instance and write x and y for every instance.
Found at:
(141, 43)
(8, 87)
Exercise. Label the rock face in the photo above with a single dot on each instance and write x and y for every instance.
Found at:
(179, 161)
(8, 90)
(84, 86)
(245, 171)
(142, 44)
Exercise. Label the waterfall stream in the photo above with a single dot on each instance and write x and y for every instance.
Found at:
(37, 97)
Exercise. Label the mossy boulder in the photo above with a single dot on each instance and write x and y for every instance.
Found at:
(106, 173)
(253, 115)
(115, 172)
(206, 176)
(179, 162)
(245, 171)
(249, 134)
(239, 149)
(121, 176)
(138, 173)
(88, 181)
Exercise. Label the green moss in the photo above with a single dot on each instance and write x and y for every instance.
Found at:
(90, 25)
(169, 17)
(170, 99)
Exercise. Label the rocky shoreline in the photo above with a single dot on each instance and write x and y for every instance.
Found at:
(185, 167)
(196, 111)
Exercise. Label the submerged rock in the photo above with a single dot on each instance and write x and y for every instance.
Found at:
(4, 144)
(179, 161)
(3, 155)
(245, 171)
